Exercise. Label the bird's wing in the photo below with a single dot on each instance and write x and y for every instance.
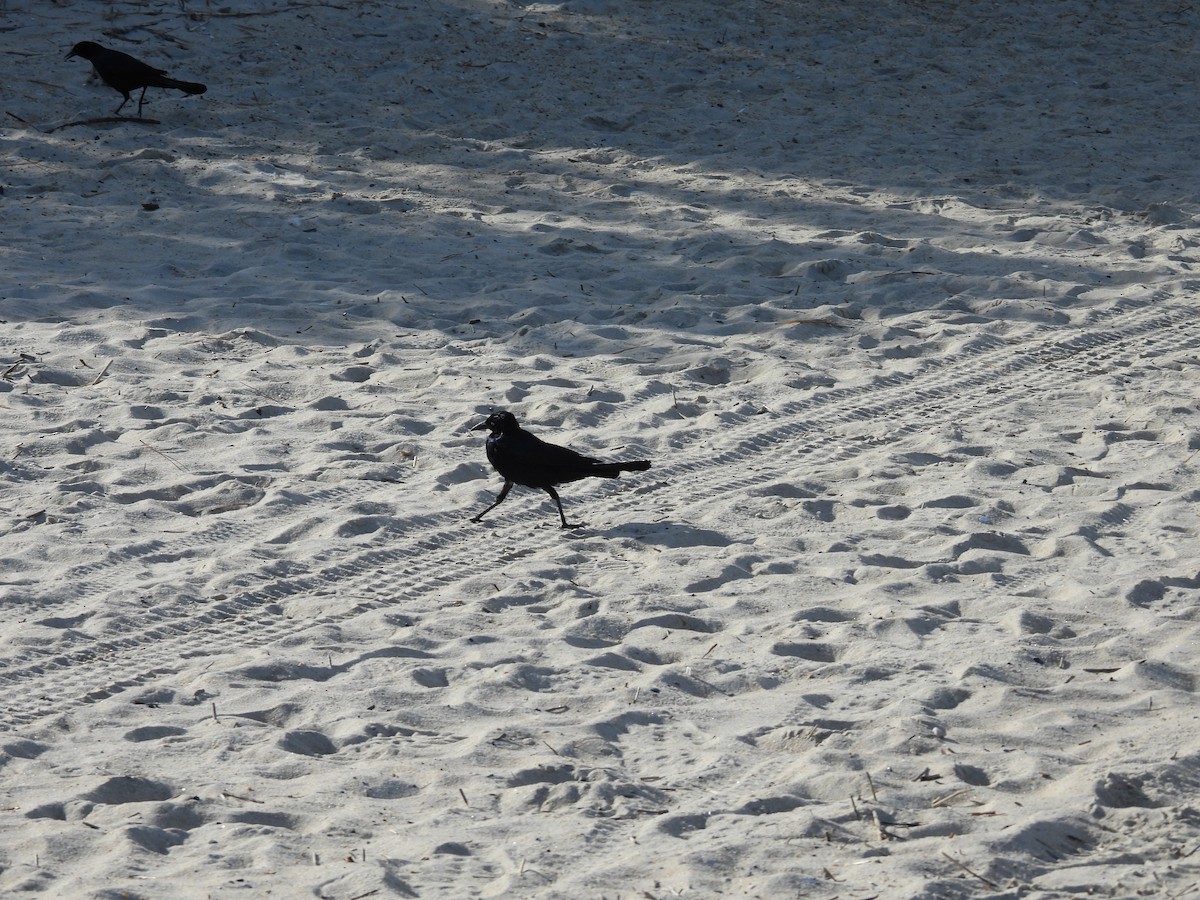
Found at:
(555, 456)
(531, 461)
(133, 65)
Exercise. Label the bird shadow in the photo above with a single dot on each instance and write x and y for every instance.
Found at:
(137, 120)
(667, 534)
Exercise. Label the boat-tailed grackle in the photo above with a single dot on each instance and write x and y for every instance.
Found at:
(524, 459)
(123, 73)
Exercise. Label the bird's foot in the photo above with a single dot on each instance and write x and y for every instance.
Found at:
(574, 525)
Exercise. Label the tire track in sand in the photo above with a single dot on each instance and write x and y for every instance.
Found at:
(420, 556)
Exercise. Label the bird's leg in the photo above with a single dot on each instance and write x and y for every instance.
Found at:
(554, 494)
(141, 100)
(503, 493)
(122, 106)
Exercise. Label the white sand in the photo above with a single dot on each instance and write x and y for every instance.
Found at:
(900, 297)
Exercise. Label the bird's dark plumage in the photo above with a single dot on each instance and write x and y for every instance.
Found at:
(123, 73)
(524, 459)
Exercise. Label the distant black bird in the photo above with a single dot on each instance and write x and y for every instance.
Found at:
(524, 459)
(123, 73)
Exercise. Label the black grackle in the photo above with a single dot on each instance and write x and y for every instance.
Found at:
(123, 73)
(524, 459)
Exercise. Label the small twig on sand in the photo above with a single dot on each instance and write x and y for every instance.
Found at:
(942, 801)
(102, 120)
(968, 871)
(167, 36)
(173, 462)
(261, 393)
(119, 33)
(675, 402)
(884, 834)
(871, 785)
(103, 372)
(240, 797)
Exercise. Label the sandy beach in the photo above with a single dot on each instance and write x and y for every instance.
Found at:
(900, 298)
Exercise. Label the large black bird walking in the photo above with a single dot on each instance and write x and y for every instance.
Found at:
(524, 459)
(123, 73)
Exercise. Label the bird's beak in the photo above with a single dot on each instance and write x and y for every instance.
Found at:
(482, 425)
(69, 55)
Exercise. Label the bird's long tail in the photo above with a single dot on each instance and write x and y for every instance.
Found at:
(188, 87)
(613, 470)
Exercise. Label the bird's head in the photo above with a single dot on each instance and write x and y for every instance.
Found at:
(502, 422)
(86, 49)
